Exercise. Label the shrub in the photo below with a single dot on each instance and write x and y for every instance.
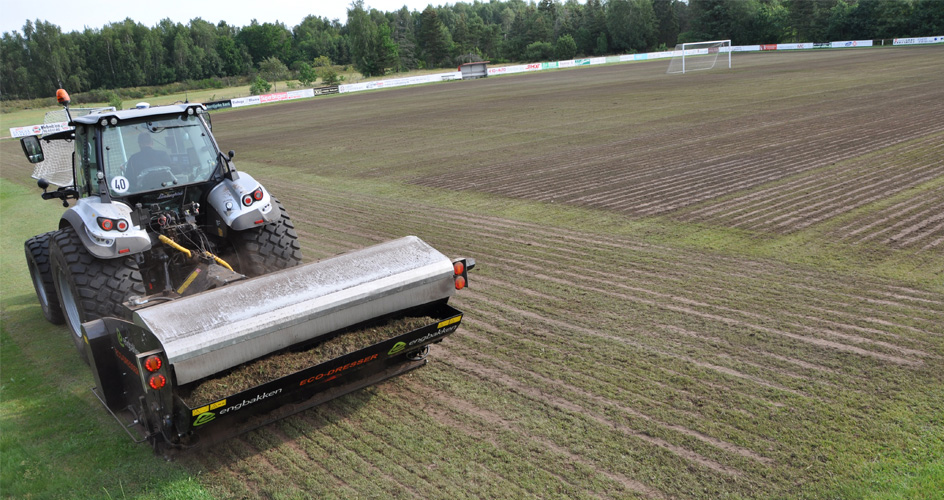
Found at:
(539, 51)
(330, 77)
(566, 48)
(259, 86)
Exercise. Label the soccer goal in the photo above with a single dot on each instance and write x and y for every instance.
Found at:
(698, 55)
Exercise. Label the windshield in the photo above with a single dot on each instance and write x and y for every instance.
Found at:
(157, 154)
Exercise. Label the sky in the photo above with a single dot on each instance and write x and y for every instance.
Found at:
(75, 15)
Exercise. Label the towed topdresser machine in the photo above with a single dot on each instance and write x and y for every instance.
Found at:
(171, 270)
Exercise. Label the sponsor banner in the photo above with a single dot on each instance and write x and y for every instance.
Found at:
(325, 90)
(768, 46)
(745, 48)
(823, 45)
(918, 40)
(581, 62)
(549, 65)
(246, 101)
(640, 57)
(565, 64)
(613, 59)
(853, 43)
(498, 71)
(533, 67)
(46, 129)
(794, 46)
(218, 105)
(627, 57)
(287, 96)
(656, 55)
(597, 60)
(399, 82)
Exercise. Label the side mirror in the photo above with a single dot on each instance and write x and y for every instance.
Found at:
(206, 118)
(32, 149)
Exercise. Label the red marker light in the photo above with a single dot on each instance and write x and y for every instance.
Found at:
(458, 268)
(460, 283)
(122, 225)
(106, 224)
(157, 381)
(257, 194)
(247, 200)
(153, 363)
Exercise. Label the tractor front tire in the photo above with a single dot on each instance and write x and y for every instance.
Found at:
(88, 287)
(37, 260)
(265, 249)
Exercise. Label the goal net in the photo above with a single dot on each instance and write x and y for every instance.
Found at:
(697, 56)
(57, 165)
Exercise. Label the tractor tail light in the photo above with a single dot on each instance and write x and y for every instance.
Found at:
(157, 381)
(153, 363)
(460, 269)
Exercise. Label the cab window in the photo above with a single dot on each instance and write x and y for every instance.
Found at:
(86, 161)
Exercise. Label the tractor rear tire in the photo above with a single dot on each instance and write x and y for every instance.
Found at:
(37, 260)
(88, 287)
(265, 249)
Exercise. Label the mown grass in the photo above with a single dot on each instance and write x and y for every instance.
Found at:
(57, 440)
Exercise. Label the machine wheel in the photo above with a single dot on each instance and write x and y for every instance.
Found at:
(37, 259)
(272, 247)
(419, 355)
(88, 287)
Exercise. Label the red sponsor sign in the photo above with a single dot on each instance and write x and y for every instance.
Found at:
(278, 96)
(769, 46)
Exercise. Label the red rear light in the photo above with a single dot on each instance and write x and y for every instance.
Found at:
(122, 225)
(460, 282)
(157, 381)
(257, 194)
(247, 200)
(458, 268)
(106, 224)
(153, 363)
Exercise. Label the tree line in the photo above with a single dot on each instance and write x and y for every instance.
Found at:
(128, 54)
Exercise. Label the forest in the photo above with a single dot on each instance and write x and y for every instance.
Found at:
(129, 54)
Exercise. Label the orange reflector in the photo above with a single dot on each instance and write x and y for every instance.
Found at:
(458, 267)
(124, 250)
(157, 381)
(153, 363)
(260, 221)
(460, 283)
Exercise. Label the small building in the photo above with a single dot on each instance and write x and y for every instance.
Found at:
(474, 70)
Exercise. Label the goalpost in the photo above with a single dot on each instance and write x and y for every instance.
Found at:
(696, 56)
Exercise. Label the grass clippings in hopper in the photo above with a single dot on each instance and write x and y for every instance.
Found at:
(278, 365)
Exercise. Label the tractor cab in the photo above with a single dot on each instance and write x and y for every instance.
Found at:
(128, 154)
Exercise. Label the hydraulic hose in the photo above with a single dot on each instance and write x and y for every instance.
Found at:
(173, 244)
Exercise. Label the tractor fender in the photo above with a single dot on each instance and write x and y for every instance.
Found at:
(229, 198)
(84, 217)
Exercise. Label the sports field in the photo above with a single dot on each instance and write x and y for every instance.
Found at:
(719, 284)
